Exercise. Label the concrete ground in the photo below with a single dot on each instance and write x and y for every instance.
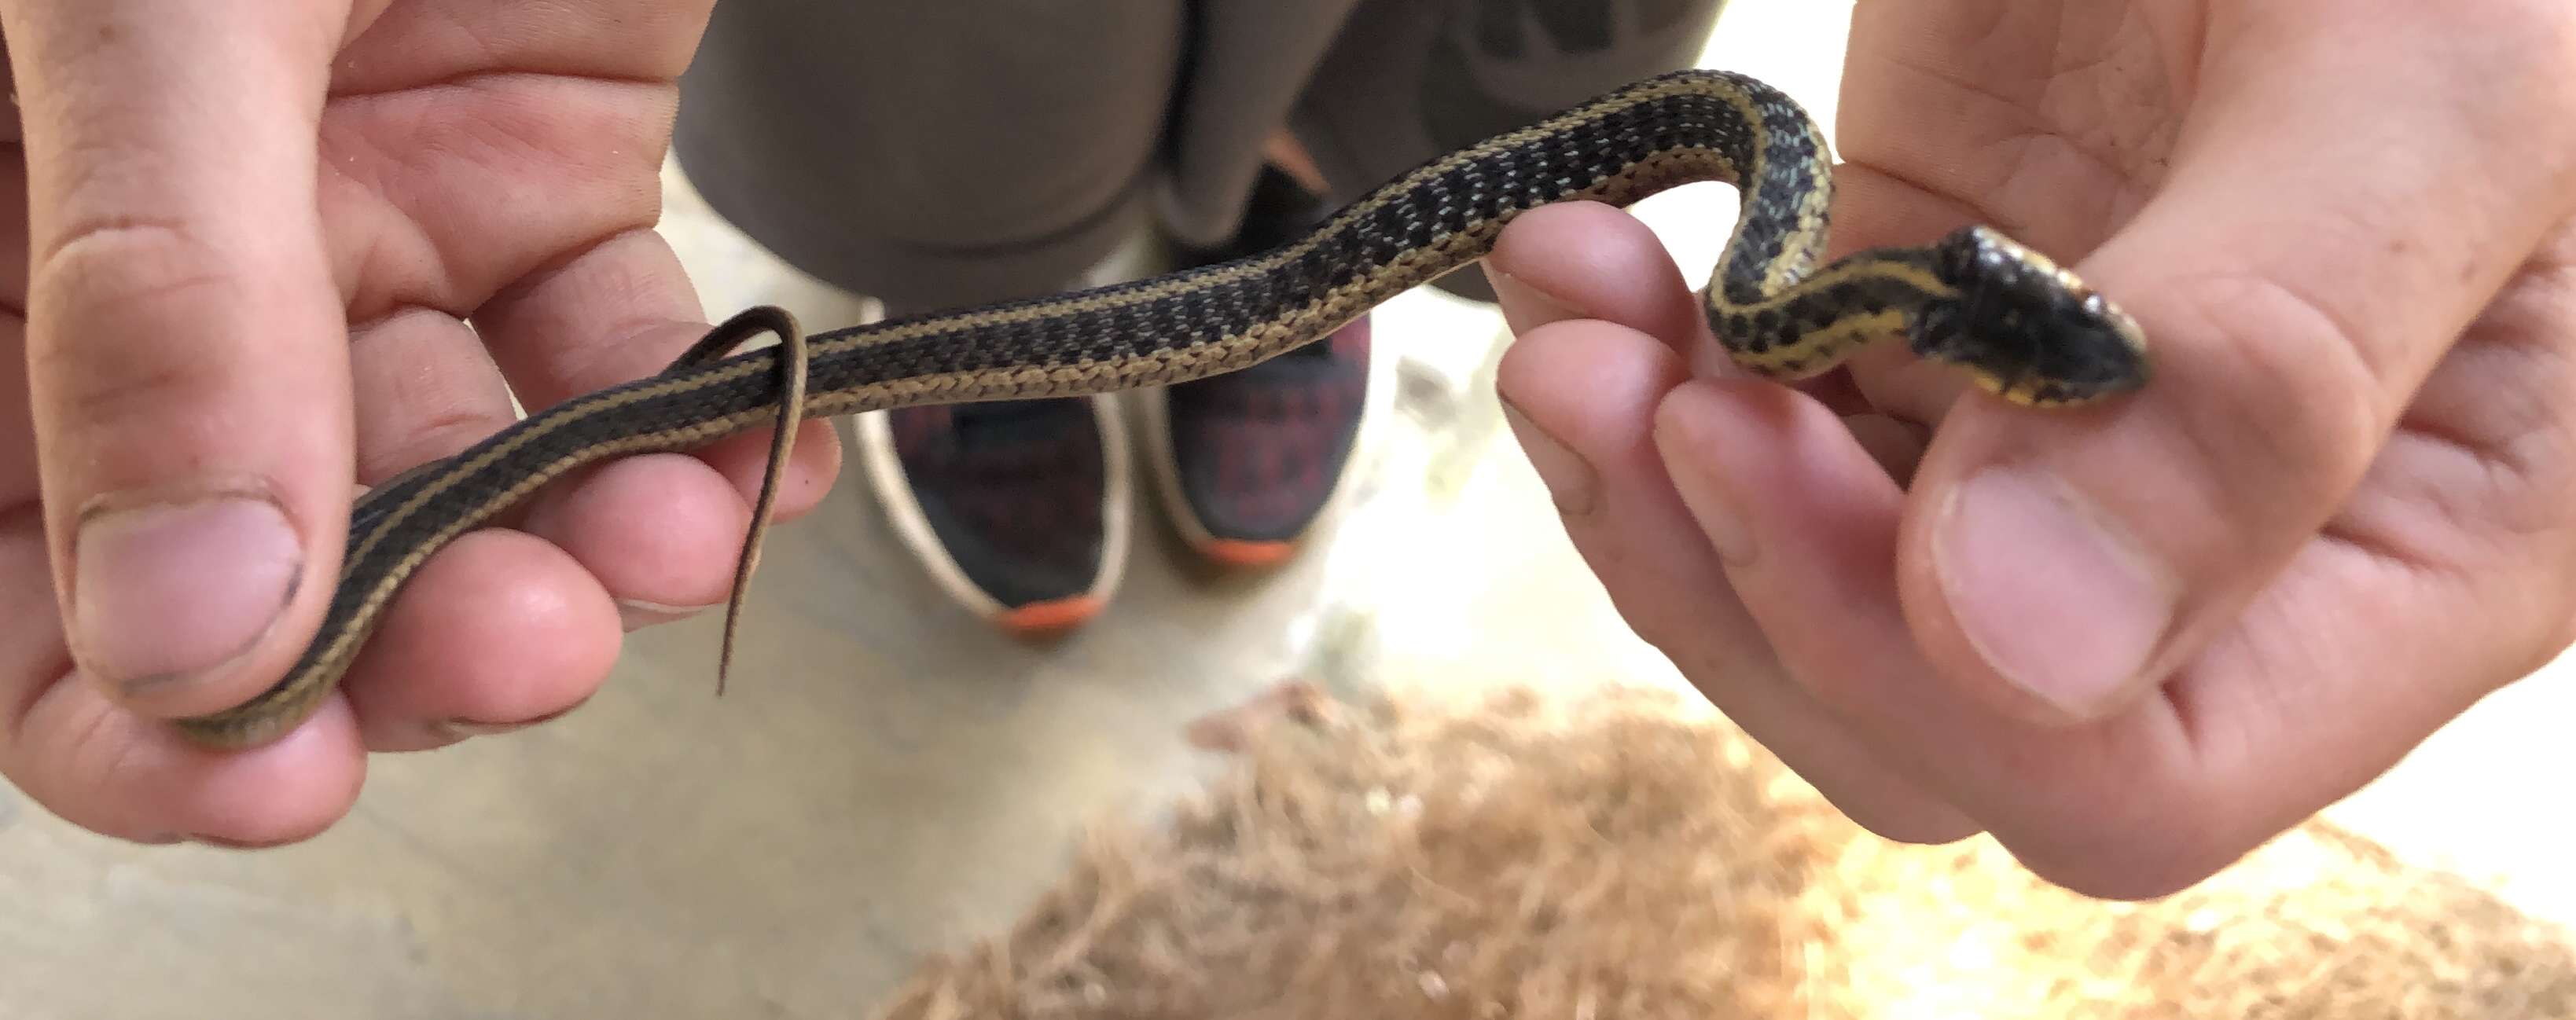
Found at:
(887, 779)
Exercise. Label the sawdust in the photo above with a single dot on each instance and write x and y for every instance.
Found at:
(1626, 853)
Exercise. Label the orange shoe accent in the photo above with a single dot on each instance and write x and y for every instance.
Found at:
(1243, 555)
(1046, 619)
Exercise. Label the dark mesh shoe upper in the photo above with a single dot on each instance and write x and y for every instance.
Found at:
(1259, 451)
(1013, 489)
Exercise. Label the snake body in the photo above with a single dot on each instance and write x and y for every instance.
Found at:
(2019, 325)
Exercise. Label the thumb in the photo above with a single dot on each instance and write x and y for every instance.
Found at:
(185, 341)
(2351, 188)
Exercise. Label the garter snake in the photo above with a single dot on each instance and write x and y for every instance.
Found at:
(2016, 323)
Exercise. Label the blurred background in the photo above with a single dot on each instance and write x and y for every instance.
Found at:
(887, 777)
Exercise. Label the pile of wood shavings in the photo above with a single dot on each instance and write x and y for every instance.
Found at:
(1626, 853)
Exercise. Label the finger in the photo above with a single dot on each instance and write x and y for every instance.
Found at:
(410, 45)
(1579, 393)
(1612, 267)
(670, 563)
(1588, 260)
(2298, 275)
(661, 532)
(111, 771)
(1820, 519)
(68, 746)
(185, 342)
(495, 630)
(537, 637)
(444, 196)
(426, 390)
(1582, 406)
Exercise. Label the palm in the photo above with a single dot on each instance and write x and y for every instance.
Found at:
(467, 145)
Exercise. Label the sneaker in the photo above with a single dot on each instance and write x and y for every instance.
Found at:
(1248, 461)
(1019, 509)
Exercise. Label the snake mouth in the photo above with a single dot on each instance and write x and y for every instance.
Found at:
(2027, 329)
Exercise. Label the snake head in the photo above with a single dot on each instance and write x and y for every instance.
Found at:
(2025, 328)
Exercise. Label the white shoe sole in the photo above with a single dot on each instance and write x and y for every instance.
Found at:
(903, 508)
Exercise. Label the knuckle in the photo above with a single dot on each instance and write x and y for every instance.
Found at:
(110, 318)
(107, 263)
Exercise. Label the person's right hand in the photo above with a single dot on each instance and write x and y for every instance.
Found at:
(2135, 641)
(275, 250)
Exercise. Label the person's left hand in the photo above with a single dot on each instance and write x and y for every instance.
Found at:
(268, 253)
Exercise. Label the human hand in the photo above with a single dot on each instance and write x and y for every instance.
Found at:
(2131, 641)
(266, 243)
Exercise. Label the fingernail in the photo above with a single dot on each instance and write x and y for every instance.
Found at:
(226, 843)
(460, 729)
(2048, 591)
(166, 589)
(637, 614)
(1569, 478)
